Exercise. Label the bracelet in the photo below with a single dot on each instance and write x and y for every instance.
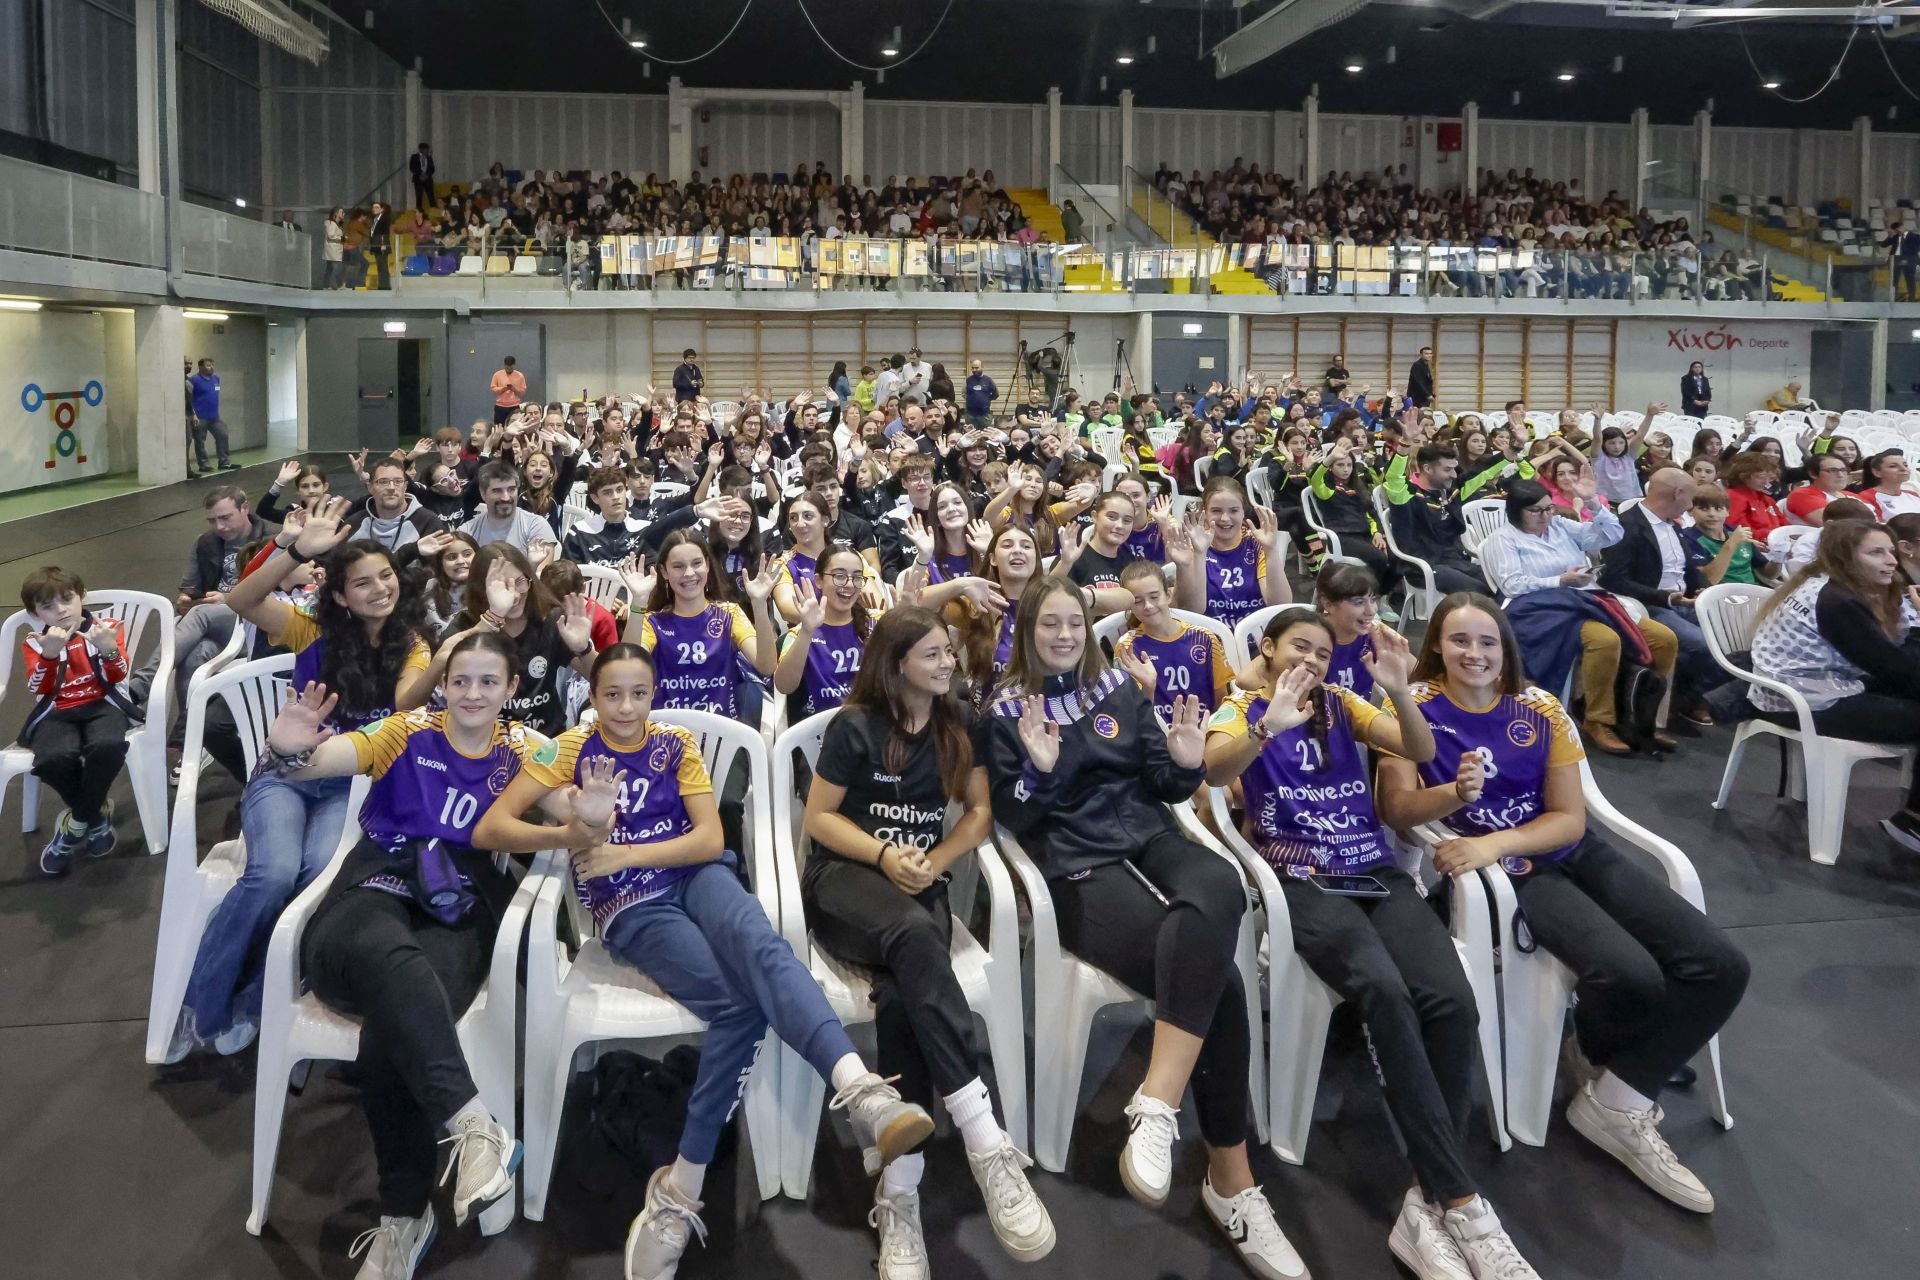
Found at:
(280, 762)
(493, 621)
(879, 862)
(1259, 732)
(297, 556)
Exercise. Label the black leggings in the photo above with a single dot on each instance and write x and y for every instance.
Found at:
(1180, 955)
(378, 957)
(1359, 546)
(1394, 960)
(921, 1020)
(78, 752)
(1657, 979)
(1866, 717)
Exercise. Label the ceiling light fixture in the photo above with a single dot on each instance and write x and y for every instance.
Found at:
(239, 203)
(1353, 68)
(1125, 59)
(218, 317)
(394, 328)
(889, 52)
(638, 44)
(19, 304)
(1771, 84)
(1564, 77)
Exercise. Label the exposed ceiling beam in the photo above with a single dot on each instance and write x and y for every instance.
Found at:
(1290, 23)
(1488, 10)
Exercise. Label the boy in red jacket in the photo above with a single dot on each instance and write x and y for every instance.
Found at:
(78, 728)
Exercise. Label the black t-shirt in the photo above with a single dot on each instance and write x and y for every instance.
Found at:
(908, 807)
(1095, 570)
(545, 660)
(849, 530)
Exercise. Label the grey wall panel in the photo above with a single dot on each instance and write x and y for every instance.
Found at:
(1361, 144)
(757, 137)
(217, 39)
(90, 82)
(219, 134)
(1203, 140)
(1090, 144)
(336, 146)
(16, 69)
(1556, 152)
(927, 138)
(1612, 160)
(1758, 162)
(603, 132)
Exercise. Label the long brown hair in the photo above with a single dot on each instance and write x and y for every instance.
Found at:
(540, 601)
(1024, 674)
(979, 630)
(1430, 665)
(719, 585)
(879, 689)
(1838, 562)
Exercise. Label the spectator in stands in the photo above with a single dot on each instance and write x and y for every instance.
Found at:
(206, 419)
(1420, 379)
(1748, 478)
(1342, 488)
(1540, 564)
(420, 169)
(509, 387)
(688, 381)
(380, 244)
(1834, 632)
(1788, 398)
(502, 518)
(981, 393)
(309, 483)
(1132, 895)
(1696, 391)
(391, 516)
(1719, 554)
(77, 667)
(1903, 248)
(333, 250)
(1428, 522)
(1829, 476)
(916, 379)
(610, 534)
(1650, 564)
(1890, 494)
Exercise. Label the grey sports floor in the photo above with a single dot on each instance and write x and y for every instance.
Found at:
(116, 1169)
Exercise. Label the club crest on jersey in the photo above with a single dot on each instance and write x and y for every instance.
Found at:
(536, 666)
(1522, 733)
(1106, 726)
(658, 760)
(497, 780)
(1199, 651)
(716, 626)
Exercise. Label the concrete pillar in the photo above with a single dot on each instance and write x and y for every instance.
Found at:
(1642, 155)
(679, 130)
(1586, 164)
(1139, 354)
(1862, 176)
(1053, 144)
(152, 65)
(1126, 136)
(1877, 392)
(1470, 145)
(270, 196)
(414, 108)
(1310, 137)
(853, 132)
(1278, 123)
(159, 350)
(1702, 168)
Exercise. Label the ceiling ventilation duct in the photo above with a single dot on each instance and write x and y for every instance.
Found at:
(277, 24)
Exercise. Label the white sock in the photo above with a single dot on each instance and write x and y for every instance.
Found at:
(972, 1112)
(687, 1178)
(902, 1175)
(847, 1071)
(1612, 1092)
(474, 1107)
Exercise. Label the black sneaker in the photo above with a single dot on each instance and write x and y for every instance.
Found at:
(57, 858)
(1904, 828)
(100, 835)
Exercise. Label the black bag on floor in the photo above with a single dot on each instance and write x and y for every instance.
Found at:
(636, 1109)
(1637, 693)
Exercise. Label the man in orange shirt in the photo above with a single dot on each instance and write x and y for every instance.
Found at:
(509, 389)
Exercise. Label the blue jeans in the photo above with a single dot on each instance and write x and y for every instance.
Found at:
(292, 829)
(708, 944)
(1695, 667)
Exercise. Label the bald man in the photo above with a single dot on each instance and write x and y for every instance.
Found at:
(1649, 563)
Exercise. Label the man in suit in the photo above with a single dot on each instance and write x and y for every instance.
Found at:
(1903, 243)
(1420, 379)
(420, 166)
(1649, 564)
(380, 243)
(1696, 393)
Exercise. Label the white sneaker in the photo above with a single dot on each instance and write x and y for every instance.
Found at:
(1019, 1219)
(881, 1119)
(903, 1248)
(1249, 1223)
(485, 1158)
(394, 1248)
(237, 1037)
(1633, 1138)
(1489, 1252)
(1146, 1162)
(1420, 1240)
(659, 1235)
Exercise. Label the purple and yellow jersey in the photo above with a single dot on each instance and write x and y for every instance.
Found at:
(694, 657)
(1233, 580)
(424, 788)
(1193, 662)
(833, 659)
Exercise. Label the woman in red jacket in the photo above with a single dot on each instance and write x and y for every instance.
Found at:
(1748, 478)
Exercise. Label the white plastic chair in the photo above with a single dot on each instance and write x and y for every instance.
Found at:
(1259, 484)
(989, 976)
(1116, 625)
(1822, 766)
(1311, 508)
(1069, 993)
(596, 997)
(138, 613)
(296, 1027)
(1161, 437)
(1247, 632)
(254, 692)
(1301, 1005)
(604, 584)
(1423, 599)
(1485, 517)
(1202, 468)
(576, 499)
(1536, 988)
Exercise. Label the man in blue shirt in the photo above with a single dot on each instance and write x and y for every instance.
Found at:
(981, 393)
(206, 417)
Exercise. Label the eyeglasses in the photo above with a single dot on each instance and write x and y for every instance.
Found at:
(844, 577)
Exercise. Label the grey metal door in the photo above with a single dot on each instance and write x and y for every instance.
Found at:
(378, 381)
(476, 349)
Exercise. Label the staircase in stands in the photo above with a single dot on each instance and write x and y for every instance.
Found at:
(1045, 217)
(1184, 233)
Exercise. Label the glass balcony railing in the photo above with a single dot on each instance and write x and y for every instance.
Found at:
(52, 211)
